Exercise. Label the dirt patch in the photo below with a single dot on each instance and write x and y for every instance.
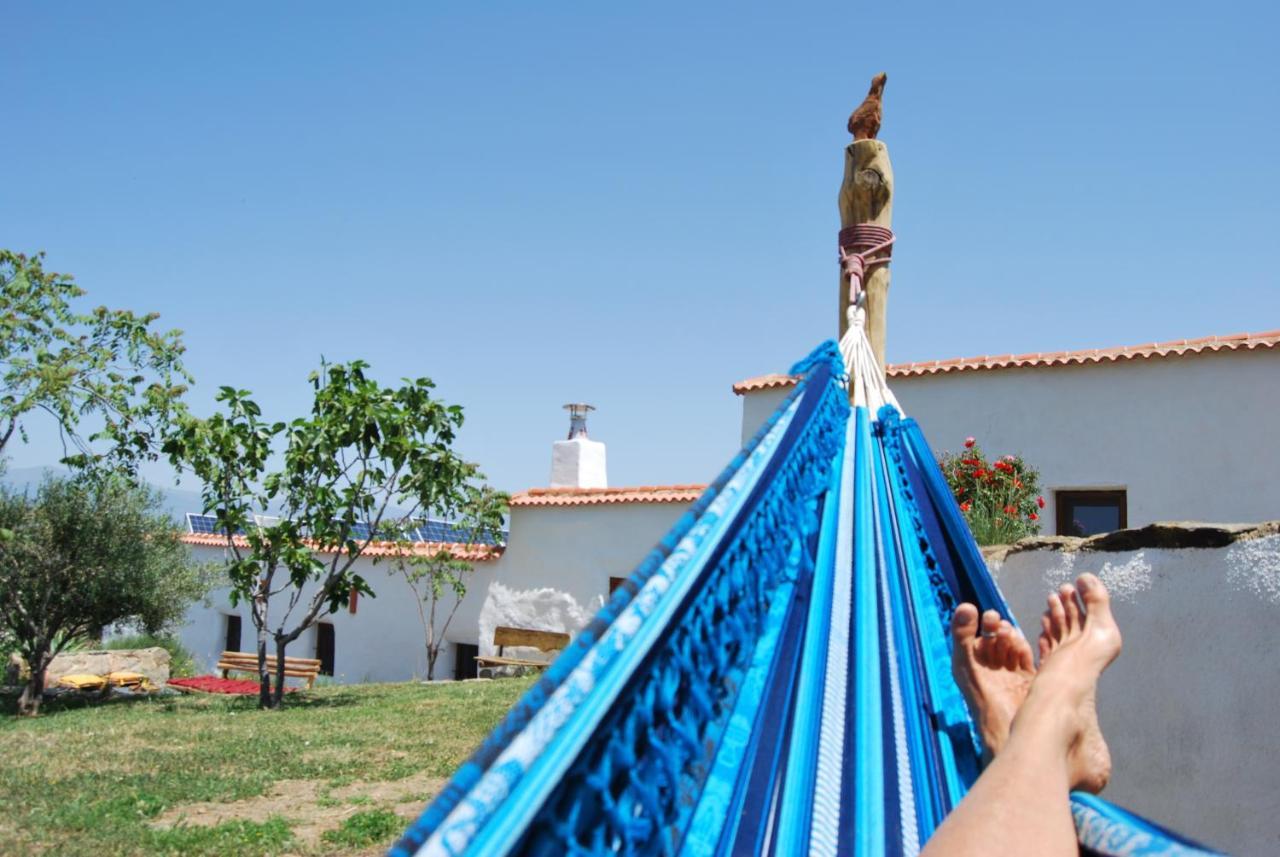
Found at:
(309, 806)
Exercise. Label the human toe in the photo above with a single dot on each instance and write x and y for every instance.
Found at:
(1057, 615)
(1070, 606)
(1096, 598)
(964, 623)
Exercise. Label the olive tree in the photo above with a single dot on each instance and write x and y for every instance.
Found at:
(79, 556)
(109, 370)
(339, 479)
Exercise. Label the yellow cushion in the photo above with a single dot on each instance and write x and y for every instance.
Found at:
(83, 682)
(125, 677)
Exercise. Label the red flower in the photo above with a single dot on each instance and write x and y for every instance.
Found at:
(1033, 516)
(969, 442)
(964, 507)
(971, 462)
(1040, 502)
(981, 473)
(1017, 483)
(1009, 510)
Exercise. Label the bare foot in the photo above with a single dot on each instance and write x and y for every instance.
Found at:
(1079, 639)
(994, 668)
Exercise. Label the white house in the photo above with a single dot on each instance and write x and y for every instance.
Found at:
(1123, 437)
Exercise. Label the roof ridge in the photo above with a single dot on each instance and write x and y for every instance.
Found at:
(682, 493)
(1175, 347)
(472, 552)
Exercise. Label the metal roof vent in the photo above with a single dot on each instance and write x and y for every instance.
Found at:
(578, 418)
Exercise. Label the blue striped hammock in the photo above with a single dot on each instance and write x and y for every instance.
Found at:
(774, 677)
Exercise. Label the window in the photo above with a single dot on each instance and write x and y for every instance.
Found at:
(325, 647)
(615, 582)
(1087, 513)
(233, 634)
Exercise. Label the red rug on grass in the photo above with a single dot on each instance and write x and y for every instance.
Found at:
(214, 684)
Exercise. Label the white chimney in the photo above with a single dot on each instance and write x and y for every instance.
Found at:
(579, 461)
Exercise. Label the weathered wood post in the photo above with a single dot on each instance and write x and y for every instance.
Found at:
(866, 196)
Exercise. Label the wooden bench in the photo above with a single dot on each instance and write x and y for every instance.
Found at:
(543, 641)
(247, 662)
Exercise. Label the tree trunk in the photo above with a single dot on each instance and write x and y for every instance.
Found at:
(866, 196)
(33, 691)
(432, 653)
(277, 693)
(264, 675)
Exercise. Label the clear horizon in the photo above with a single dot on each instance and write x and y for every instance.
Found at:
(634, 207)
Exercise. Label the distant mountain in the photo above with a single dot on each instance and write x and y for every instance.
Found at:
(177, 502)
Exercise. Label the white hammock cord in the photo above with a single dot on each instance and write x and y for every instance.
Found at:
(869, 387)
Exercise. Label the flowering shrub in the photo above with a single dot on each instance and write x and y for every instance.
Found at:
(1000, 499)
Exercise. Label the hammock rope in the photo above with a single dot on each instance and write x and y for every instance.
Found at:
(775, 676)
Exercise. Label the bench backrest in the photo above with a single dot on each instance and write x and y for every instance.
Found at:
(250, 660)
(545, 641)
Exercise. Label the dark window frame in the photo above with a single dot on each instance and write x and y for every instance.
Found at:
(233, 626)
(1066, 500)
(464, 660)
(326, 650)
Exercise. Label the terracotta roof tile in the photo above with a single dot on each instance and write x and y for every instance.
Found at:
(469, 553)
(764, 382)
(601, 496)
(1233, 342)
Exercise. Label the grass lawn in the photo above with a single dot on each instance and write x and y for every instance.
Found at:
(338, 770)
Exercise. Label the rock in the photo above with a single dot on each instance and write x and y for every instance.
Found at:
(151, 662)
(1162, 534)
(543, 609)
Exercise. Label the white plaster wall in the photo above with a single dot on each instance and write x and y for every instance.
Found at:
(1189, 709)
(555, 573)
(1189, 438)
(758, 407)
(382, 641)
(553, 576)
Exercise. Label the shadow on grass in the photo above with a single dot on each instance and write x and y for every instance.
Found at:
(74, 701)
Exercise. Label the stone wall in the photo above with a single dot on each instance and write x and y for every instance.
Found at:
(151, 662)
(1189, 708)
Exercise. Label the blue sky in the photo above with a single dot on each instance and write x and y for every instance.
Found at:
(633, 205)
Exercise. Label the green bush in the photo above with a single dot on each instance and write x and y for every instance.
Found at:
(366, 828)
(1000, 499)
(181, 661)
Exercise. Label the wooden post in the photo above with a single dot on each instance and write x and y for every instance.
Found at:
(866, 196)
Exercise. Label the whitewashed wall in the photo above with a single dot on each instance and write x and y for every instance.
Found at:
(382, 641)
(1189, 438)
(1195, 437)
(555, 573)
(758, 407)
(1189, 709)
(554, 576)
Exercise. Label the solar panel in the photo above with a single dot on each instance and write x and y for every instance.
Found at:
(201, 523)
(207, 524)
(423, 531)
(443, 531)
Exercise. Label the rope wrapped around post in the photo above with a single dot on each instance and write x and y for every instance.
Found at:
(859, 245)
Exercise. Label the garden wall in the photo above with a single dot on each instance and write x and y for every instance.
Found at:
(1190, 707)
